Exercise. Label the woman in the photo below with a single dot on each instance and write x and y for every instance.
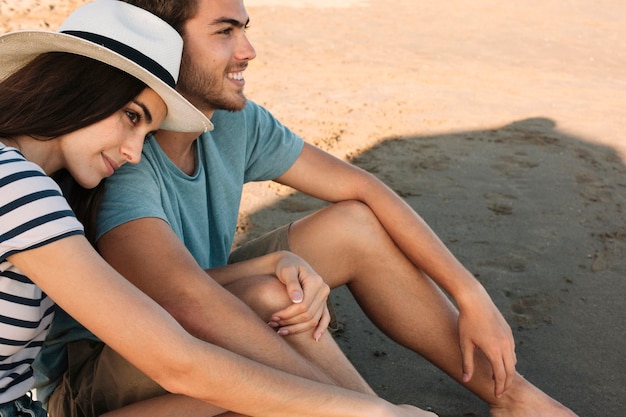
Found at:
(69, 103)
(83, 100)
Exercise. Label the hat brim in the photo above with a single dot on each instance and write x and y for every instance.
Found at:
(19, 48)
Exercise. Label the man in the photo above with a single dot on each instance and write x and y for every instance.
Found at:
(168, 225)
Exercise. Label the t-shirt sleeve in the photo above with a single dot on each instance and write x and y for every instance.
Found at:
(274, 147)
(131, 193)
(33, 211)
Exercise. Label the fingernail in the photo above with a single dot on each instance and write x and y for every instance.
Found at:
(283, 332)
(296, 297)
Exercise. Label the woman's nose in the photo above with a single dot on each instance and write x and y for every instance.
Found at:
(131, 150)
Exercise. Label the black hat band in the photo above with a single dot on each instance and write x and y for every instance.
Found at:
(134, 55)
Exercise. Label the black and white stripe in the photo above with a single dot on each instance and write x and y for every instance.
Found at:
(33, 212)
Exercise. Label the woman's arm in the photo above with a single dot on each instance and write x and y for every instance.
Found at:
(83, 284)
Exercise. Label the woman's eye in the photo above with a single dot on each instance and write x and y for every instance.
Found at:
(133, 116)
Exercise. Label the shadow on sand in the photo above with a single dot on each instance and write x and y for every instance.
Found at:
(536, 216)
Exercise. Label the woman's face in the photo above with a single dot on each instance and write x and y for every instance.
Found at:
(96, 151)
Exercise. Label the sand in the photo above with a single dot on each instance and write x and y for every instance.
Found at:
(501, 124)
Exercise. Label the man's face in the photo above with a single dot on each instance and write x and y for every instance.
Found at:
(216, 53)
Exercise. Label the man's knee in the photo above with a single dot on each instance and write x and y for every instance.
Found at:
(263, 294)
(355, 217)
(357, 229)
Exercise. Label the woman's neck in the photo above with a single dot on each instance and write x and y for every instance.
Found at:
(39, 152)
(12, 143)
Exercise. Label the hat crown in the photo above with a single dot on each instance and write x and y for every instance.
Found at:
(119, 34)
(106, 21)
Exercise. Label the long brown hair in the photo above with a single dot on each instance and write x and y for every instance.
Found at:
(58, 93)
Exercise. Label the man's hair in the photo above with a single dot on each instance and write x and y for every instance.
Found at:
(174, 12)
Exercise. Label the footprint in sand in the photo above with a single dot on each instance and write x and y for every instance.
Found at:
(531, 310)
(499, 203)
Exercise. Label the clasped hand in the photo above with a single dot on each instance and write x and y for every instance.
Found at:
(308, 293)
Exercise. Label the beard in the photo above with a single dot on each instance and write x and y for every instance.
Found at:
(205, 89)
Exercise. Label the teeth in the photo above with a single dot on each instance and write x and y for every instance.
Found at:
(235, 76)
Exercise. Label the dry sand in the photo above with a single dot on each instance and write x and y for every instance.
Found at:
(501, 124)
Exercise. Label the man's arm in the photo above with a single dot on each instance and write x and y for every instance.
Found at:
(480, 324)
(149, 254)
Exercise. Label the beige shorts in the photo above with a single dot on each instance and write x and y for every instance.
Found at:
(99, 380)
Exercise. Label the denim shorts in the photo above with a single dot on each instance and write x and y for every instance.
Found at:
(23, 407)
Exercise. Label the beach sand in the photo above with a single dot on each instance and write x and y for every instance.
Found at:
(501, 124)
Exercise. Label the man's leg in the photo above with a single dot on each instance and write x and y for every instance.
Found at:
(346, 244)
(266, 295)
(99, 380)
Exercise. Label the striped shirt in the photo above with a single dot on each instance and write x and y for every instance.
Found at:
(33, 213)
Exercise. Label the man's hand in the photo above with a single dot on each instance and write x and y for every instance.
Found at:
(482, 327)
(308, 292)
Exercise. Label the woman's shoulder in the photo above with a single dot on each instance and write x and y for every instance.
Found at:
(16, 170)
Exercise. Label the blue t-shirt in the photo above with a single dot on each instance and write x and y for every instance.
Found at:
(33, 213)
(202, 209)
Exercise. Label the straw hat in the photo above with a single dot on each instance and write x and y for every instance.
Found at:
(123, 36)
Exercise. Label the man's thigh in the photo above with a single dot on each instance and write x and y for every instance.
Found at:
(98, 380)
(274, 241)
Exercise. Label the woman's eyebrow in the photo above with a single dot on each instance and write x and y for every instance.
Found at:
(145, 109)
